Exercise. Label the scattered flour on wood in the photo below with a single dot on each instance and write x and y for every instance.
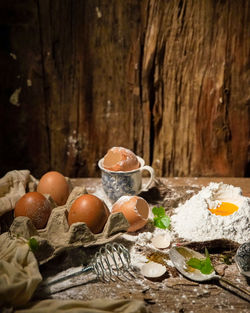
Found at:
(144, 239)
(193, 220)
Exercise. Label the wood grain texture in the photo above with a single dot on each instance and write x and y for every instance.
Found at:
(23, 132)
(85, 55)
(166, 79)
(196, 54)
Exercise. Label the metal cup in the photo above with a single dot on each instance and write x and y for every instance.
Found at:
(119, 183)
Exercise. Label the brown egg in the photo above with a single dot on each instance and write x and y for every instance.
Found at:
(54, 184)
(120, 159)
(135, 209)
(91, 210)
(35, 206)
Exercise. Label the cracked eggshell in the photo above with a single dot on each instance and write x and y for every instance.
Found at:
(161, 241)
(153, 270)
(135, 209)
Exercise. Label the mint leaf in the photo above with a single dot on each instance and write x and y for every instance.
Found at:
(203, 265)
(206, 266)
(194, 263)
(159, 212)
(206, 253)
(161, 220)
(33, 244)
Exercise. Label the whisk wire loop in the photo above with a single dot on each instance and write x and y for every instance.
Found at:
(112, 260)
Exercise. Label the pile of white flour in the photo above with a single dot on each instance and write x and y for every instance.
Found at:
(193, 220)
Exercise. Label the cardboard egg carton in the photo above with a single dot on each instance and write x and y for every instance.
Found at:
(57, 236)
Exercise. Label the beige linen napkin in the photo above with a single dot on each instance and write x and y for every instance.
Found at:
(13, 186)
(19, 273)
(78, 306)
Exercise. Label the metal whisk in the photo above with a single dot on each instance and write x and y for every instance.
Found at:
(112, 260)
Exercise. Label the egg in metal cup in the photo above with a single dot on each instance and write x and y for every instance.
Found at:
(121, 173)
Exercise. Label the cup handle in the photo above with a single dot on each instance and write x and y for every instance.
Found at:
(152, 176)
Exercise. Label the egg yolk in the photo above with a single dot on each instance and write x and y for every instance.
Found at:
(224, 209)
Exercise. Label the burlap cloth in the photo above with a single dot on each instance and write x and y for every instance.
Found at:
(94, 306)
(12, 186)
(19, 272)
(19, 269)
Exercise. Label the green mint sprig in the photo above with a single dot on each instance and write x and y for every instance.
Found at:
(161, 220)
(203, 265)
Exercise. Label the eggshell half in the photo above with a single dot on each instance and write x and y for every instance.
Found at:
(120, 159)
(161, 241)
(54, 184)
(35, 206)
(135, 209)
(91, 210)
(153, 270)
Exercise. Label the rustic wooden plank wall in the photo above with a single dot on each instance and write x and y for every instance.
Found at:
(167, 79)
(197, 53)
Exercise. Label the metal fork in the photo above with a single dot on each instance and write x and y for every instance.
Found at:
(111, 260)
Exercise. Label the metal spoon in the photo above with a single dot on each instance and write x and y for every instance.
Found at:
(180, 255)
(242, 259)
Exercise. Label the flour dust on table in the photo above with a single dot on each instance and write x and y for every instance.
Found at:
(217, 211)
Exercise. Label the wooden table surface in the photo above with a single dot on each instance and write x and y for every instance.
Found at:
(172, 294)
(243, 183)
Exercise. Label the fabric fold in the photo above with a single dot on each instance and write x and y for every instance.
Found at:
(19, 272)
(78, 306)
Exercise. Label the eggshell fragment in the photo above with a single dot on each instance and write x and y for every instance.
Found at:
(153, 270)
(91, 210)
(120, 159)
(35, 206)
(161, 241)
(135, 209)
(54, 184)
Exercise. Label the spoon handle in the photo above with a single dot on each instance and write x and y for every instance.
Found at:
(242, 292)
